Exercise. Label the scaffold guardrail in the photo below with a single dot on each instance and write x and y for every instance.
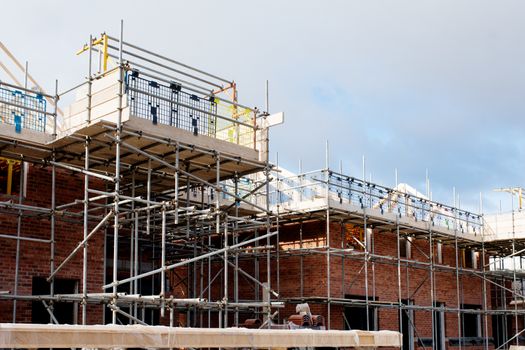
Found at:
(22, 109)
(172, 105)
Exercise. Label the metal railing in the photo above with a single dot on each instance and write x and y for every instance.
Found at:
(309, 190)
(23, 109)
(350, 190)
(172, 105)
(167, 92)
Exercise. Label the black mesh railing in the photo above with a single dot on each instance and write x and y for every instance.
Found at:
(171, 105)
(23, 110)
(298, 189)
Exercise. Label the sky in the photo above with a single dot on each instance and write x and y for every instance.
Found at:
(418, 86)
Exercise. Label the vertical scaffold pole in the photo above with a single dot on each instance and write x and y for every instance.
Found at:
(86, 223)
(117, 173)
(225, 299)
(398, 263)
(435, 336)
(367, 247)
(209, 273)
(457, 268)
(202, 250)
(301, 259)
(514, 277)
(18, 234)
(132, 248)
(136, 261)
(235, 241)
(55, 111)
(343, 257)
(218, 218)
(484, 273)
(53, 208)
(148, 197)
(278, 206)
(268, 285)
(328, 291)
(90, 83)
(163, 261)
(176, 183)
(266, 292)
(53, 196)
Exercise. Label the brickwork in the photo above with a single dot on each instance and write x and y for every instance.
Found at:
(302, 268)
(35, 256)
(347, 279)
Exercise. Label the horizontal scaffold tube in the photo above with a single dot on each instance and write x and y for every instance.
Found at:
(188, 261)
(125, 43)
(82, 171)
(188, 174)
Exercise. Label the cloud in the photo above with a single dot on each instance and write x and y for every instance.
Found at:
(410, 84)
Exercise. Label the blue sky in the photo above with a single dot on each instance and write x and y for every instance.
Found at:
(412, 85)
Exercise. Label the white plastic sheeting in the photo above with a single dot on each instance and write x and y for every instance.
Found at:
(136, 336)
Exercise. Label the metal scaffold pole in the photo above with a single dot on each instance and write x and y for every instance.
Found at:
(53, 223)
(277, 249)
(86, 224)
(398, 265)
(433, 306)
(484, 274)
(133, 247)
(456, 250)
(235, 235)
(328, 286)
(18, 241)
(514, 278)
(366, 248)
(116, 198)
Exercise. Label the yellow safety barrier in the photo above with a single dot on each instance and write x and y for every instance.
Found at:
(10, 166)
(231, 131)
(103, 41)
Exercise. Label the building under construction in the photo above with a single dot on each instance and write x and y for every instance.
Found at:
(144, 195)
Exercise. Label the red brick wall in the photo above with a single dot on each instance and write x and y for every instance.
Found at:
(415, 283)
(35, 256)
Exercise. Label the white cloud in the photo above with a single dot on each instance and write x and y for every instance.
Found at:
(440, 82)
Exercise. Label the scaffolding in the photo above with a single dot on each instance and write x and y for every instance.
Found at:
(173, 163)
(146, 133)
(345, 203)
